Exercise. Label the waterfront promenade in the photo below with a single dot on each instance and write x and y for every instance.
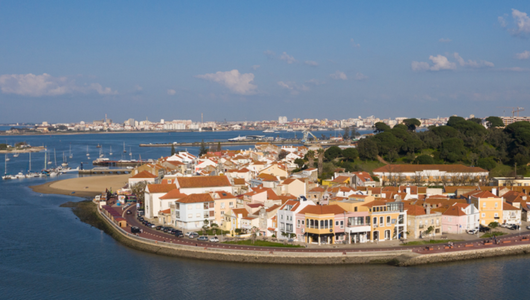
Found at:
(518, 243)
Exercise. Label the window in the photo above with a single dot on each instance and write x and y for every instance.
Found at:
(177, 205)
(496, 204)
(387, 220)
(281, 217)
(483, 215)
(198, 215)
(190, 216)
(177, 214)
(496, 215)
(341, 224)
(355, 209)
(299, 223)
(381, 221)
(484, 204)
(222, 212)
(336, 223)
(367, 220)
(302, 222)
(222, 205)
(198, 206)
(231, 204)
(375, 220)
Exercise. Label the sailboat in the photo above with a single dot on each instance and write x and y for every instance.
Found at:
(130, 153)
(124, 151)
(101, 155)
(98, 146)
(70, 156)
(6, 176)
(16, 154)
(7, 158)
(65, 163)
(31, 174)
(110, 152)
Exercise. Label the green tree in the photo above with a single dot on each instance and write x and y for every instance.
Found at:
(453, 120)
(424, 159)
(367, 149)
(381, 127)
(310, 156)
(332, 152)
(353, 132)
(172, 149)
(350, 154)
(282, 154)
(493, 122)
(476, 120)
(412, 124)
(299, 162)
(387, 142)
(400, 126)
(486, 163)
(138, 190)
(453, 150)
(346, 135)
(203, 150)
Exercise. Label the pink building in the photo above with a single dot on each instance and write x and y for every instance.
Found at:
(459, 218)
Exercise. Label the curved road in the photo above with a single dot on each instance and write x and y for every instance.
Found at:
(157, 235)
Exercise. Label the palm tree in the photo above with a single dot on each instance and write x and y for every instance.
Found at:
(254, 234)
(311, 158)
(320, 153)
(214, 227)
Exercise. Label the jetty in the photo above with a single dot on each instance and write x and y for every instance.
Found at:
(242, 143)
(119, 163)
(98, 171)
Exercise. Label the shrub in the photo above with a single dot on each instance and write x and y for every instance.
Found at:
(424, 159)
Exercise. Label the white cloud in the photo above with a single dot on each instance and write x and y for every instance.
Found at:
(472, 63)
(269, 53)
(171, 92)
(523, 55)
(353, 44)
(338, 75)
(138, 88)
(293, 87)
(311, 63)
(521, 22)
(440, 62)
(255, 67)
(46, 85)
(502, 22)
(442, 40)
(233, 80)
(360, 76)
(288, 58)
(315, 82)
(420, 66)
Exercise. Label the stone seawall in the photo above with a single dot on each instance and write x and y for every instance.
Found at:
(396, 258)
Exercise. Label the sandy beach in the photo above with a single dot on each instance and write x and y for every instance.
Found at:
(83, 186)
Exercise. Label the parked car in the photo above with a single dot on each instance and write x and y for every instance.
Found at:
(472, 231)
(190, 233)
(129, 212)
(203, 238)
(141, 219)
(179, 234)
(153, 226)
(135, 229)
(214, 239)
(484, 229)
(528, 227)
(193, 235)
(158, 227)
(166, 229)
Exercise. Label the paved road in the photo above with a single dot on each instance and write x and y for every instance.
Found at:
(160, 236)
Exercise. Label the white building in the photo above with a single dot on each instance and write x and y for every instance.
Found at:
(192, 211)
(286, 217)
(152, 195)
(203, 184)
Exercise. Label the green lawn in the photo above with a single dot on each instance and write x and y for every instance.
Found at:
(368, 165)
(262, 244)
(417, 243)
(492, 234)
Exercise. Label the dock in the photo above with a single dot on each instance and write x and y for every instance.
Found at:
(243, 143)
(117, 163)
(97, 171)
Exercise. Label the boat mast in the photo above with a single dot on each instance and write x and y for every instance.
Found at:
(29, 162)
(55, 157)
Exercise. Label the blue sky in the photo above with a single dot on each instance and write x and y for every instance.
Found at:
(63, 61)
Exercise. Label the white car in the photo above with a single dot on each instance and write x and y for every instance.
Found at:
(214, 239)
(472, 231)
(191, 233)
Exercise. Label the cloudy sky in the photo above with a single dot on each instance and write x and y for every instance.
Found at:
(63, 61)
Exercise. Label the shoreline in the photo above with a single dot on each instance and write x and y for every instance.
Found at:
(88, 187)
(84, 187)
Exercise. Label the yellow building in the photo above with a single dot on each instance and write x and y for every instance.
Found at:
(223, 204)
(489, 207)
(388, 220)
(338, 180)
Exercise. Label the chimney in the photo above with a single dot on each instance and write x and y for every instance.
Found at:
(494, 191)
(428, 210)
(407, 190)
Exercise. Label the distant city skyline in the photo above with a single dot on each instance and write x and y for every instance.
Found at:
(70, 61)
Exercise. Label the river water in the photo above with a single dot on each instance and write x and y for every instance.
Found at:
(47, 253)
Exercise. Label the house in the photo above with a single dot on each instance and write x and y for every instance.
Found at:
(322, 224)
(459, 218)
(287, 219)
(265, 216)
(422, 222)
(388, 220)
(293, 186)
(234, 219)
(223, 203)
(166, 200)
(363, 179)
(358, 227)
(519, 200)
(430, 174)
(152, 195)
(193, 211)
(511, 214)
(489, 206)
(144, 176)
(276, 169)
(203, 184)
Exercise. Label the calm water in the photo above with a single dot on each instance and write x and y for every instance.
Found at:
(46, 253)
